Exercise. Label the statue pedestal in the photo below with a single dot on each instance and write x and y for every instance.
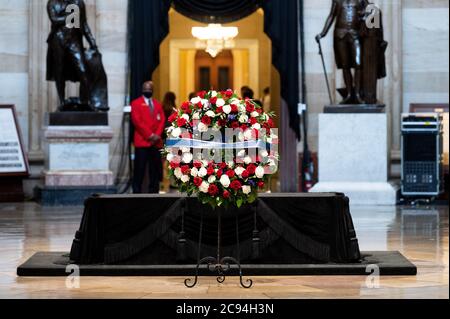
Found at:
(353, 158)
(77, 164)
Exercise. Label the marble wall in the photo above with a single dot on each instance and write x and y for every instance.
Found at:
(14, 58)
(418, 70)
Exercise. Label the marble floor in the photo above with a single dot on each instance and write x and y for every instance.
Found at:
(421, 234)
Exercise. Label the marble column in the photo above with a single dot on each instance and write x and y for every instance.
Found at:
(391, 88)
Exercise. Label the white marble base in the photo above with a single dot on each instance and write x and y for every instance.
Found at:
(353, 158)
(362, 194)
(78, 179)
(78, 156)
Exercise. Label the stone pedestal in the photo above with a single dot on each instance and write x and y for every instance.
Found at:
(77, 164)
(353, 158)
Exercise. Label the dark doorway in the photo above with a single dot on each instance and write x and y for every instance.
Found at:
(214, 73)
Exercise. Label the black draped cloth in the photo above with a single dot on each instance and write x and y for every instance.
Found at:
(164, 230)
(149, 25)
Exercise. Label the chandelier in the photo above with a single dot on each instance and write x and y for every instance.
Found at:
(215, 38)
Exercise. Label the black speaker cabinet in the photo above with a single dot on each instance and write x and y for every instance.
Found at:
(422, 155)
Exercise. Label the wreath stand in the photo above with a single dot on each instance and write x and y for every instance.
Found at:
(220, 265)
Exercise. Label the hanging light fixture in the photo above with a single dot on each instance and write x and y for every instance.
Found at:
(215, 38)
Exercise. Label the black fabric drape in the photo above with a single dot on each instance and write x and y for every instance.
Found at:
(148, 22)
(216, 11)
(311, 227)
(281, 25)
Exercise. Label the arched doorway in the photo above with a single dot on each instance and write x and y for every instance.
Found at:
(149, 26)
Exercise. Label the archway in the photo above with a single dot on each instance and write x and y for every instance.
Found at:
(149, 25)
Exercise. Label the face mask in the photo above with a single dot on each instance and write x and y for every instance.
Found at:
(148, 95)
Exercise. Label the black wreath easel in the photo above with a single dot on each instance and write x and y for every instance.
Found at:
(220, 264)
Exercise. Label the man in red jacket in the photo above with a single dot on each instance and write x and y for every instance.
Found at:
(149, 121)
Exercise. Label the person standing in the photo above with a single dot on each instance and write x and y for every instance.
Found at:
(147, 116)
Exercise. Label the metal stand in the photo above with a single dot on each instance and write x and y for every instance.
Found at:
(218, 264)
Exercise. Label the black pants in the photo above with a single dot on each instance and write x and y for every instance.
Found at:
(152, 157)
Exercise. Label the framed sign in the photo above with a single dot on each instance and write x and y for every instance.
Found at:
(13, 161)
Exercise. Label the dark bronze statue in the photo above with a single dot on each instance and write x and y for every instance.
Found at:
(68, 60)
(357, 46)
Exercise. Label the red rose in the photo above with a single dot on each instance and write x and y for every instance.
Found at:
(250, 107)
(251, 169)
(235, 125)
(186, 108)
(210, 171)
(253, 121)
(234, 108)
(226, 194)
(231, 174)
(236, 185)
(213, 190)
(222, 123)
(206, 120)
(271, 123)
(198, 181)
(185, 169)
(181, 122)
(199, 105)
(261, 185)
(219, 173)
(223, 165)
(174, 165)
(213, 100)
(173, 117)
(219, 110)
(245, 174)
(229, 93)
(201, 94)
(197, 164)
(244, 127)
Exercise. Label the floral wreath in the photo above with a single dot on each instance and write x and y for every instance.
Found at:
(233, 168)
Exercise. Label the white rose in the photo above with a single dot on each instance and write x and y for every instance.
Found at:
(225, 181)
(242, 108)
(203, 128)
(185, 178)
(234, 101)
(241, 137)
(186, 117)
(257, 126)
(210, 114)
(185, 150)
(248, 135)
(178, 173)
(241, 153)
(205, 104)
(230, 164)
(243, 119)
(204, 187)
(227, 109)
(264, 153)
(202, 172)
(176, 132)
(246, 190)
(196, 100)
(239, 171)
(170, 157)
(255, 114)
(212, 179)
(187, 158)
(194, 172)
(196, 116)
(213, 93)
(260, 172)
(247, 160)
(220, 102)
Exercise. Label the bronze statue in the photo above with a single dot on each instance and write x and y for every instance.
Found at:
(67, 59)
(356, 47)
